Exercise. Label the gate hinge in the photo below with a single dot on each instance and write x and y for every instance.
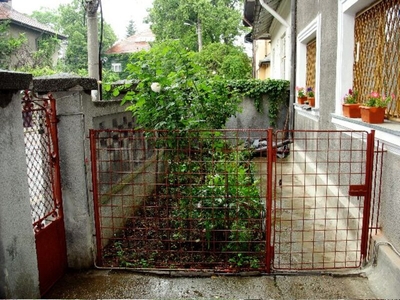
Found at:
(358, 190)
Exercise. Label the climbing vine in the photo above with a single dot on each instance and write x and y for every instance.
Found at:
(275, 90)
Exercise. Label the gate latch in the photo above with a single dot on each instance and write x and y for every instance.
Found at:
(358, 190)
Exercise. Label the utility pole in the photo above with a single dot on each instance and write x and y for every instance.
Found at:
(91, 7)
(199, 34)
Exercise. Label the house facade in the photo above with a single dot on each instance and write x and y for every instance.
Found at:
(135, 43)
(33, 31)
(342, 45)
(271, 37)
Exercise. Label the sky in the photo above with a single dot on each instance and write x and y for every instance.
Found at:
(117, 13)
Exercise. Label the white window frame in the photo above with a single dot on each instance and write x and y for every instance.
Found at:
(312, 31)
(283, 55)
(116, 67)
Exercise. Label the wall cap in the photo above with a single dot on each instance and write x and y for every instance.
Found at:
(14, 81)
(63, 82)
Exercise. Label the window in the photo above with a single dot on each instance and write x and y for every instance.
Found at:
(116, 67)
(308, 57)
(377, 52)
(350, 57)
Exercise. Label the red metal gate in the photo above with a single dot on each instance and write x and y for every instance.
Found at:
(323, 205)
(43, 170)
(231, 200)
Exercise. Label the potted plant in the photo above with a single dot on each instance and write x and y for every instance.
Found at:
(310, 96)
(350, 106)
(373, 110)
(301, 95)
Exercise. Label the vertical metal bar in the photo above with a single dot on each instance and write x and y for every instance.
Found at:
(367, 199)
(93, 158)
(270, 160)
(55, 157)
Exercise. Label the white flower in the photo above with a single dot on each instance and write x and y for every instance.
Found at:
(156, 87)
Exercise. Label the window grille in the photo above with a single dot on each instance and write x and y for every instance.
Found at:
(311, 62)
(377, 52)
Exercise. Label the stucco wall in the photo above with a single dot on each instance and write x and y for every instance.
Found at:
(307, 11)
(321, 118)
(18, 263)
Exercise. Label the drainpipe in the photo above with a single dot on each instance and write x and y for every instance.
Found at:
(274, 13)
(293, 9)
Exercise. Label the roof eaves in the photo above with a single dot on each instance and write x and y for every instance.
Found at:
(263, 19)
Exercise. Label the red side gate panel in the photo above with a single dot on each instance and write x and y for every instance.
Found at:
(43, 170)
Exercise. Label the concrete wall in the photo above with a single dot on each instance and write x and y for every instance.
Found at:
(250, 118)
(77, 114)
(18, 263)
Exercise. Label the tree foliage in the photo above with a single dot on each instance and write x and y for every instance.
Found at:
(131, 28)
(69, 19)
(188, 98)
(219, 19)
(9, 45)
(228, 61)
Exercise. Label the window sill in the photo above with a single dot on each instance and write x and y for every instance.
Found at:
(388, 132)
(307, 111)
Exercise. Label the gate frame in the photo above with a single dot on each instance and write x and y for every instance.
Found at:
(50, 240)
(364, 190)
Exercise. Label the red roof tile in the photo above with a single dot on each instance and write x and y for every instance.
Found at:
(134, 43)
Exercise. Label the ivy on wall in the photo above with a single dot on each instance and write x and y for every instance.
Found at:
(275, 90)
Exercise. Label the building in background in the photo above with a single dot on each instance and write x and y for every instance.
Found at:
(33, 31)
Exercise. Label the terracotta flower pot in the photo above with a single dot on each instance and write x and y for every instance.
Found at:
(373, 115)
(351, 110)
(311, 101)
(301, 100)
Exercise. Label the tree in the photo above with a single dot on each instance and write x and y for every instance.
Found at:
(218, 20)
(230, 62)
(69, 19)
(131, 28)
(175, 92)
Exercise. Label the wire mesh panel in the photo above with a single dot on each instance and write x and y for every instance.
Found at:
(44, 184)
(317, 224)
(40, 153)
(180, 200)
(377, 52)
(230, 200)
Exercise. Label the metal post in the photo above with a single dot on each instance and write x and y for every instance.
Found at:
(367, 199)
(93, 155)
(268, 215)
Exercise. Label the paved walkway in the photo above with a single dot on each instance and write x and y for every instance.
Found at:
(105, 284)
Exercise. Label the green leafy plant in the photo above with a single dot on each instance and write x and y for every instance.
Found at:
(310, 92)
(377, 100)
(186, 98)
(275, 91)
(351, 97)
(300, 92)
